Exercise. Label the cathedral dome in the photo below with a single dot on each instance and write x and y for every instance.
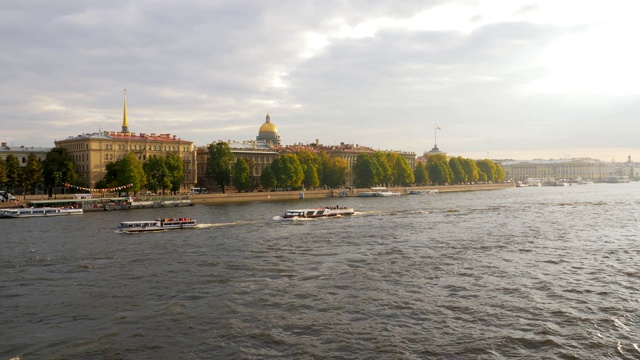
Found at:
(268, 128)
(268, 133)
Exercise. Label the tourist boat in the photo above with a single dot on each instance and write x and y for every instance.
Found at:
(317, 212)
(378, 191)
(38, 212)
(157, 225)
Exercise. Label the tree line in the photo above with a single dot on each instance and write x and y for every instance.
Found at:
(294, 171)
(307, 170)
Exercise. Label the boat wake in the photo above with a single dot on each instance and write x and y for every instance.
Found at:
(207, 226)
(280, 218)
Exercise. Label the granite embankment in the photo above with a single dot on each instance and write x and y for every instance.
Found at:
(234, 197)
(319, 194)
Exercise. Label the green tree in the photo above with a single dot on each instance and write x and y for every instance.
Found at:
(335, 172)
(268, 179)
(59, 168)
(470, 169)
(311, 179)
(32, 172)
(157, 174)
(3, 173)
(130, 171)
(386, 176)
(493, 171)
(420, 174)
(459, 175)
(219, 164)
(175, 167)
(366, 171)
(402, 174)
(241, 175)
(287, 172)
(439, 171)
(310, 165)
(13, 171)
(110, 177)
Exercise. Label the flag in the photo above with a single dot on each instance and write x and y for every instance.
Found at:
(438, 127)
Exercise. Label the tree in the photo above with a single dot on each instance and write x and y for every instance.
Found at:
(470, 169)
(32, 172)
(241, 175)
(287, 171)
(59, 168)
(493, 171)
(402, 174)
(157, 174)
(366, 171)
(386, 176)
(175, 167)
(130, 171)
(439, 171)
(13, 171)
(3, 173)
(335, 172)
(267, 179)
(421, 177)
(310, 165)
(110, 177)
(459, 175)
(219, 163)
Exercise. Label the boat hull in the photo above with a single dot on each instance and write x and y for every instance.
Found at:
(317, 213)
(38, 212)
(156, 225)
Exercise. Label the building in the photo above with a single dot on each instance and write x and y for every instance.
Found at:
(92, 152)
(258, 152)
(22, 152)
(565, 169)
(268, 133)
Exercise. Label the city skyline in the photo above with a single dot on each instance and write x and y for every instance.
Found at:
(502, 79)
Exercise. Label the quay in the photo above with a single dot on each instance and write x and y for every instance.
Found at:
(139, 202)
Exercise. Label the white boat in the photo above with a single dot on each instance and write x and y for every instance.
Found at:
(318, 212)
(38, 212)
(157, 225)
(378, 191)
(420, 192)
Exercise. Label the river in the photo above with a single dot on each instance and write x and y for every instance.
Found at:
(548, 272)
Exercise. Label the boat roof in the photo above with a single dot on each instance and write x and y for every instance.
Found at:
(67, 201)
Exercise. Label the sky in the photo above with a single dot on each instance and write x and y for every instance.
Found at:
(502, 79)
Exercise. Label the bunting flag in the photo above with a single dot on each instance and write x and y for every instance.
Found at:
(111, 189)
(438, 127)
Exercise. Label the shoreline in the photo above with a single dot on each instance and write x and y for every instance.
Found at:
(234, 197)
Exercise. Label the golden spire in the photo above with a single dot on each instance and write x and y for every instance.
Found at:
(125, 124)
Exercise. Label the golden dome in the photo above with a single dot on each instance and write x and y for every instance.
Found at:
(268, 127)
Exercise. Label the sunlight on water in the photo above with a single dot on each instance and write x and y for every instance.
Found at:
(526, 272)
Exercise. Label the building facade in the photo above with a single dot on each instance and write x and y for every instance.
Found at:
(258, 152)
(92, 152)
(552, 170)
(22, 152)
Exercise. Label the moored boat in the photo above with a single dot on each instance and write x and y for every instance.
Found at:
(157, 225)
(378, 191)
(38, 212)
(317, 212)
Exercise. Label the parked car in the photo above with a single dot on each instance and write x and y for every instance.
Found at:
(5, 196)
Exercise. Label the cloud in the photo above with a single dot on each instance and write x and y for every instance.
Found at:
(499, 75)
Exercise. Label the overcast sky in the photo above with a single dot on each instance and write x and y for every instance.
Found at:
(503, 79)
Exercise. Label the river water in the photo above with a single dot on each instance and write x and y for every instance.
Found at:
(550, 272)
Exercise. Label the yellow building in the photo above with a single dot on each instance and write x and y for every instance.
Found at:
(92, 152)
